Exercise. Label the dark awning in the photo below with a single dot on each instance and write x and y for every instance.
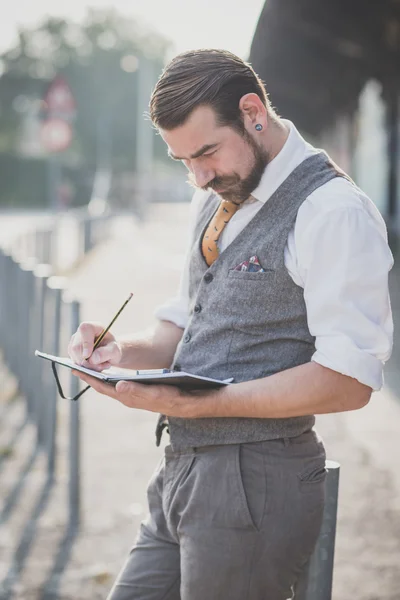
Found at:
(316, 55)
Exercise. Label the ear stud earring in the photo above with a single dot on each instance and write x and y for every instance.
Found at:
(259, 127)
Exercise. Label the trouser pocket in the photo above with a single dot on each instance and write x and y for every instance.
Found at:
(252, 482)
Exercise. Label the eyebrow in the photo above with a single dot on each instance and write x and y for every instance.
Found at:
(200, 152)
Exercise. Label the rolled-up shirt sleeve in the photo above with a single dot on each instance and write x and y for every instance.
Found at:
(176, 309)
(344, 260)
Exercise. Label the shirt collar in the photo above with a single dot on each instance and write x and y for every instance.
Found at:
(293, 152)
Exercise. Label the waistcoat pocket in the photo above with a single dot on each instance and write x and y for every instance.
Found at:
(247, 297)
(257, 276)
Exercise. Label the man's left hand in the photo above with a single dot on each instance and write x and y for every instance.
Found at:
(165, 399)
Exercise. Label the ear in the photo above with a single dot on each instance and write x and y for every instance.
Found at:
(253, 111)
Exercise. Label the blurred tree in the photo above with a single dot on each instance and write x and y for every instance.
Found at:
(99, 59)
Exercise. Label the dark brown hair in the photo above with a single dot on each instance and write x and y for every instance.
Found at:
(216, 78)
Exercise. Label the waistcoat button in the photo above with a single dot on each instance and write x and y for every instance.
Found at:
(187, 337)
(208, 277)
(197, 308)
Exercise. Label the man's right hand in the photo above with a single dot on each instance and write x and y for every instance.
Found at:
(80, 347)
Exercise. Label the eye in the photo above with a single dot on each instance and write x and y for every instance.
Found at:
(210, 153)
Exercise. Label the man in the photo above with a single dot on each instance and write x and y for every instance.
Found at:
(285, 290)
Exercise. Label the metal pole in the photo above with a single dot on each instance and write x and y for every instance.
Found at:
(3, 287)
(56, 286)
(47, 257)
(8, 314)
(25, 353)
(14, 305)
(53, 182)
(42, 273)
(87, 235)
(316, 583)
(392, 118)
(74, 438)
(20, 325)
(145, 134)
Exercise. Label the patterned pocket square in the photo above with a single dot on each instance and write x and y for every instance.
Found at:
(251, 266)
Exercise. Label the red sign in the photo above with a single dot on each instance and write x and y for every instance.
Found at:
(60, 109)
(56, 135)
(59, 100)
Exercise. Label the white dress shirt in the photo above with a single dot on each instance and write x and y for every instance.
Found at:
(338, 253)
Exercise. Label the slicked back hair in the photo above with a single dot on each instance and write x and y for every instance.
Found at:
(206, 77)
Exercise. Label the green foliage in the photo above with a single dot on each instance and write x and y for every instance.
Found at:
(24, 182)
(97, 58)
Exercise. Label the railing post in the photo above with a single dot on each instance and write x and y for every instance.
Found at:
(56, 286)
(74, 436)
(26, 301)
(6, 293)
(43, 245)
(87, 236)
(42, 273)
(13, 304)
(3, 291)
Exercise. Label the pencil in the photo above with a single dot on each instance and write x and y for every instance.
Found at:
(103, 333)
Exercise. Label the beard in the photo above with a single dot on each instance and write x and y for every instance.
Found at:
(235, 188)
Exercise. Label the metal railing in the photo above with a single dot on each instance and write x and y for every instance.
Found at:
(46, 243)
(37, 313)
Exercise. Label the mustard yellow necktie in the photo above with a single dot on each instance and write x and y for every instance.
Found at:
(224, 213)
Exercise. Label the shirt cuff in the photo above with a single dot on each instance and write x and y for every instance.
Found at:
(342, 356)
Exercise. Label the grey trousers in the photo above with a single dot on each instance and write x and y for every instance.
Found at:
(229, 522)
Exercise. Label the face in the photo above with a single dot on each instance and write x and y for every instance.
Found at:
(217, 157)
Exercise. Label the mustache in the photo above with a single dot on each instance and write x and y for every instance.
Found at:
(217, 182)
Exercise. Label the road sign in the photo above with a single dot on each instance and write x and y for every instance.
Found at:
(56, 135)
(59, 112)
(59, 100)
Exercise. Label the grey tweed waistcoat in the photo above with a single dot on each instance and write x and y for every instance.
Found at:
(248, 325)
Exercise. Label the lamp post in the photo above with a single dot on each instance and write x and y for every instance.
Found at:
(144, 135)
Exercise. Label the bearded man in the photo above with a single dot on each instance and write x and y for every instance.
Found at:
(285, 290)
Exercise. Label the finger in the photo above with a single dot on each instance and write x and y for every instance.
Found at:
(140, 390)
(139, 395)
(69, 349)
(133, 395)
(123, 387)
(97, 384)
(98, 368)
(82, 342)
(155, 398)
(103, 354)
(88, 365)
(75, 349)
(87, 336)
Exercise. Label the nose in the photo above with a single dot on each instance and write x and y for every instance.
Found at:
(202, 176)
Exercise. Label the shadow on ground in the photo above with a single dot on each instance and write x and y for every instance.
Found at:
(25, 491)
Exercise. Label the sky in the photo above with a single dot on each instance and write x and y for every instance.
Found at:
(189, 24)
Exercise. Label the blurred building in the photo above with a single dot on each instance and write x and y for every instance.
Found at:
(333, 67)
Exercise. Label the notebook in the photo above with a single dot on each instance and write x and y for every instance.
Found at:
(151, 376)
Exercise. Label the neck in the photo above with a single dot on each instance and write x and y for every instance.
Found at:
(276, 135)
